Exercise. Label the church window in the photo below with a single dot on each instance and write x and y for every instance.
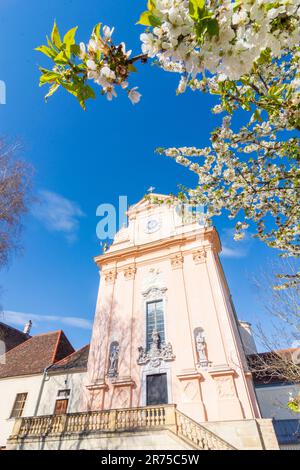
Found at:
(154, 321)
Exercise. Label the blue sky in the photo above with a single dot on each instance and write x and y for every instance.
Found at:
(85, 159)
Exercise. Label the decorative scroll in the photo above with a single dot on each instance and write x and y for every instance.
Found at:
(156, 353)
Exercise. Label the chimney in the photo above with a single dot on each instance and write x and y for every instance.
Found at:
(247, 337)
(27, 328)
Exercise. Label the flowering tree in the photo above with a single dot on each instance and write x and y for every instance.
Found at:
(247, 53)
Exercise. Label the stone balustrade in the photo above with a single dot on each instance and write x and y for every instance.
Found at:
(201, 437)
(127, 419)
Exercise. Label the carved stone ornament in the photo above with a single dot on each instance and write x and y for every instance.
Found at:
(110, 276)
(157, 352)
(129, 272)
(199, 256)
(177, 261)
(154, 293)
(152, 278)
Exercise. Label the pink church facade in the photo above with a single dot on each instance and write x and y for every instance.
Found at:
(165, 330)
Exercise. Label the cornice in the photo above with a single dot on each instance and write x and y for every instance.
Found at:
(136, 251)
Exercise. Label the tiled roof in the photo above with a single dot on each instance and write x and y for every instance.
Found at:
(11, 336)
(77, 361)
(35, 354)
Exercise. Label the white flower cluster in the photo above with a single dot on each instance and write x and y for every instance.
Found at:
(263, 188)
(245, 29)
(107, 64)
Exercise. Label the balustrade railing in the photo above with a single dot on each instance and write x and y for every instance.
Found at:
(148, 417)
(200, 436)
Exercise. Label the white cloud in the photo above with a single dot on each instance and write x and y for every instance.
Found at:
(232, 248)
(57, 213)
(20, 319)
(232, 252)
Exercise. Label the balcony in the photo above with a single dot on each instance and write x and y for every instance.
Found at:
(143, 419)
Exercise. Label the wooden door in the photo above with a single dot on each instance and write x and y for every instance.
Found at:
(157, 389)
(61, 406)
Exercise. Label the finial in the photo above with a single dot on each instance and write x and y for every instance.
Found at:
(150, 190)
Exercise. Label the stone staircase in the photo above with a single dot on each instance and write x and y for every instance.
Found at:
(110, 422)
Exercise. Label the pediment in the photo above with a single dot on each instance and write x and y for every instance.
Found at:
(147, 202)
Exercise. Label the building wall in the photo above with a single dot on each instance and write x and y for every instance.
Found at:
(41, 396)
(273, 400)
(179, 264)
(56, 382)
(157, 440)
(8, 391)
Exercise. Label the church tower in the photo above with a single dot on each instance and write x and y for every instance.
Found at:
(165, 329)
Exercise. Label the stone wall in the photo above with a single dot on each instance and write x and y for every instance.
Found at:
(248, 434)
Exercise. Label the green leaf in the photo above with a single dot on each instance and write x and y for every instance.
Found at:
(151, 5)
(132, 68)
(48, 77)
(195, 7)
(47, 51)
(55, 37)
(96, 30)
(294, 406)
(144, 18)
(75, 49)
(81, 91)
(256, 116)
(212, 27)
(154, 21)
(148, 19)
(52, 90)
(69, 37)
(61, 58)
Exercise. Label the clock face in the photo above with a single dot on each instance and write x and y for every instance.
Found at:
(152, 225)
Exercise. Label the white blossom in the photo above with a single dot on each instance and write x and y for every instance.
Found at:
(134, 95)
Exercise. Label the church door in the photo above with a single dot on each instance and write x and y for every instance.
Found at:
(157, 389)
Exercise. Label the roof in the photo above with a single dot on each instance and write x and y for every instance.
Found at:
(77, 361)
(11, 336)
(287, 431)
(37, 353)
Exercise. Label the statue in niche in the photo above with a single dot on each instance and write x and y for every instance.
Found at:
(201, 347)
(113, 359)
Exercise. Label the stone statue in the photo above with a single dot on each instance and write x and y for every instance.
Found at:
(167, 351)
(113, 360)
(154, 347)
(156, 352)
(142, 354)
(201, 348)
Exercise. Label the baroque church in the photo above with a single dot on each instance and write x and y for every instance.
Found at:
(166, 367)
